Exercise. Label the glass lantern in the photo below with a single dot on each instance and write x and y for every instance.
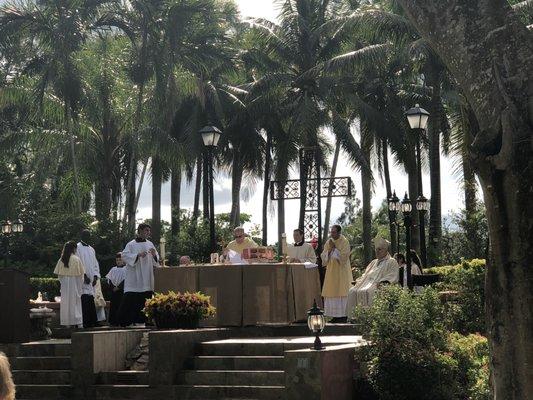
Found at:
(18, 226)
(394, 203)
(316, 323)
(210, 135)
(406, 204)
(422, 204)
(6, 227)
(417, 117)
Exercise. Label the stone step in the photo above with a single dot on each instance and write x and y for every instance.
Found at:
(240, 349)
(130, 392)
(34, 363)
(36, 377)
(43, 349)
(122, 378)
(229, 392)
(44, 392)
(236, 362)
(237, 378)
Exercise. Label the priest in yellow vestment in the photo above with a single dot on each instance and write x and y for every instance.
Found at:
(338, 279)
(382, 270)
(241, 241)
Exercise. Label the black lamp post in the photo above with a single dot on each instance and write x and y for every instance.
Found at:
(394, 207)
(406, 207)
(210, 136)
(7, 229)
(316, 324)
(422, 205)
(418, 120)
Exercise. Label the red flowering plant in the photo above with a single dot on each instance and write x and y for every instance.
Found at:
(173, 310)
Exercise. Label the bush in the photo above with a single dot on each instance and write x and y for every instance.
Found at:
(466, 314)
(50, 286)
(192, 305)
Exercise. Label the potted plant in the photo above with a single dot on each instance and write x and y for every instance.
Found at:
(178, 310)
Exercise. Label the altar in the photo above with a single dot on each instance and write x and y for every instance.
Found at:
(254, 294)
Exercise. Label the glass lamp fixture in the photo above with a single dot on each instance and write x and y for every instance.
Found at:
(394, 203)
(422, 204)
(417, 117)
(18, 226)
(316, 323)
(210, 135)
(406, 204)
(6, 227)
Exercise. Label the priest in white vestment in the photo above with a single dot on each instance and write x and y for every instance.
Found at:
(382, 270)
(140, 258)
(241, 242)
(87, 256)
(300, 251)
(69, 271)
(338, 279)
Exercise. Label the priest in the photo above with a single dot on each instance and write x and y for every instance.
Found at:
(338, 279)
(87, 256)
(241, 241)
(300, 251)
(382, 270)
(140, 258)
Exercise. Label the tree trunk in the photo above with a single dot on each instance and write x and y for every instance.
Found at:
(435, 210)
(366, 190)
(386, 173)
(266, 186)
(329, 199)
(236, 181)
(157, 182)
(175, 189)
(488, 51)
(75, 172)
(197, 189)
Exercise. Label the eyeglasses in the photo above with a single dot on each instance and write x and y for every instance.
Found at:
(238, 236)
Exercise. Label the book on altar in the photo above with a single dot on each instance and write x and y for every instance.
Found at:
(258, 254)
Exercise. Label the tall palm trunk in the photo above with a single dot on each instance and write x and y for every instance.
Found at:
(366, 190)
(197, 189)
(157, 182)
(236, 181)
(435, 211)
(266, 186)
(386, 173)
(70, 133)
(175, 190)
(330, 189)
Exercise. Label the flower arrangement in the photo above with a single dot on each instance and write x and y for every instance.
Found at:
(178, 310)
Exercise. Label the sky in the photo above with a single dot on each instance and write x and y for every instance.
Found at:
(452, 195)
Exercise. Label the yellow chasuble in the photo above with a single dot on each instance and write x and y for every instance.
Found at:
(75, 267)
(338, 279)
(239, 247)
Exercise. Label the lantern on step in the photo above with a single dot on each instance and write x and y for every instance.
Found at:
(316, 324)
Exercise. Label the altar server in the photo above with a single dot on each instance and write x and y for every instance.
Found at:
(382, 270)
(300, 251)
(69, 271)
(115, 277)
(87, 256)
(338, 279)
(140, 257)
(241, 242)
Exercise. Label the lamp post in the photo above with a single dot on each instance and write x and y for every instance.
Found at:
(7, 229)
(422, 205)
(406, 207)
(394, 207)
(316, 324)
(210, 136)
(418, 120)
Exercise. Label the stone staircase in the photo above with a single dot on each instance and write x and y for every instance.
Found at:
(41, 370)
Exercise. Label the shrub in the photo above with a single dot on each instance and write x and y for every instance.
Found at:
(50, 286)
(467, 313)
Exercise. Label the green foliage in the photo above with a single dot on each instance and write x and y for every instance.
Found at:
(466, 314)
(50, 286)
(413, 356)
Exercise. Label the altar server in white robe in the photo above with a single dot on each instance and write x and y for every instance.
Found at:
(87, 256)
(382, 270)
(338, 279)
(69, 271)
(140, 258)
(300, 251)
(116, 277)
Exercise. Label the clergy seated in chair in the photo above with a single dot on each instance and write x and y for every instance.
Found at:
(380, 271)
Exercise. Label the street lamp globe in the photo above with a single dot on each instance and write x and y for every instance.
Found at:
(422, 204)
(394, 203)
(417, 117)
(210, 135)
(316, 324)
(6, 227)
(406, 204)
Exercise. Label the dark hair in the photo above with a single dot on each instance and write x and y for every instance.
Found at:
(301, 231)
(399, 256)
(118, 255)
(85, 235)
(337, 227)
(68, 249)
(416, 259)
(143, 226)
